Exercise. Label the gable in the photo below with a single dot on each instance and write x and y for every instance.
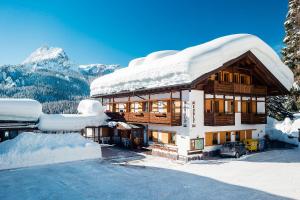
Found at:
(249, 65)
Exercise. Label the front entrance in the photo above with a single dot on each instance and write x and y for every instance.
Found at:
(132, 138)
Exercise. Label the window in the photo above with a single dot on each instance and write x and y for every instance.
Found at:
(246, 105)
(245, 79)
(110, 107)
(136, 107)
(208, 105)
(228, 136)
(211, 138)
(237, 106)
(176, 107)
(229, 107)
(160, 106)
(217, 77)
(121, 107)
(237, 136)
(145, 107)
(172, 139)
(236, 78)
(261, 105)
(227, 77)
(197, 144)
(215, 138)
(217, 106)
(162, 137)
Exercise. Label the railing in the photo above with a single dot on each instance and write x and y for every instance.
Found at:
(224, 87)
(219, 119)
(253, 118)
(173, 119)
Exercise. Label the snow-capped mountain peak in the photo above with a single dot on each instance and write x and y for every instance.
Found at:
(46, 53)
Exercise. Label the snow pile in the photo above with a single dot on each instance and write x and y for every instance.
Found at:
(20, 109)
(29, 149)
(45, 53)
(90, 107)
(285, 131)
(166, 68)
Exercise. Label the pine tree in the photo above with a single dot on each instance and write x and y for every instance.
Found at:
(280, 107)
(291, 51)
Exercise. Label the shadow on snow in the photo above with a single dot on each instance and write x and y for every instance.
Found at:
(103, 180)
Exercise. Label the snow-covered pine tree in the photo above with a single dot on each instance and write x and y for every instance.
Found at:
(291, 51)
(280, 107)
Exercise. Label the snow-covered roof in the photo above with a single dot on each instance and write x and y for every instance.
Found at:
(90, 107)
(19, 109)
(70, 122)
(167, 68)
(91, 113)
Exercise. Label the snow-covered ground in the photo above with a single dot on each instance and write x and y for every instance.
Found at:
(269, 175)
(30, 149)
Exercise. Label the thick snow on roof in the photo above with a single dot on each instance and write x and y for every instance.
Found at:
(90, 107)
(69, 122)
(91, 114)
(19, 109)
(166, 68)
(29, 149)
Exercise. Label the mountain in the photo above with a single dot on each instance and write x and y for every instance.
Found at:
(49, 76)
(95, 70)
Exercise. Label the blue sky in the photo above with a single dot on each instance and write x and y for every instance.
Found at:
(116, 31)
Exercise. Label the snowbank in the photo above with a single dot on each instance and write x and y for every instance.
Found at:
(285, 131)
(90, 107)
(30, 149)
(19, 109)
(165, 68)
(69, 122)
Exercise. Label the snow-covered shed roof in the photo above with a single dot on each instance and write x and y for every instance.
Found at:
(91, 113)
(171, 67)
(19, 109)
(70, 122)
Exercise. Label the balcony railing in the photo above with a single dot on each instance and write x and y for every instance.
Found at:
(173, 119)
(230, 88)
(219, 119)
(253, 118)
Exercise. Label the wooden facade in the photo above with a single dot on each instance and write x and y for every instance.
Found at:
(165, 111)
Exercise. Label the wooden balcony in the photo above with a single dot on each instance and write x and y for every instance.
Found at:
(219, 119)
(253, 118)
(217, 87)
(146, 117)
(231, 88)
(142, 117)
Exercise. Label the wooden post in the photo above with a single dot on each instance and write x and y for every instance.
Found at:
(171, 108)
(180, 99)
(149, 107)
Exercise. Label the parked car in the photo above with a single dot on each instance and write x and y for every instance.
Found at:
(234, 149)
